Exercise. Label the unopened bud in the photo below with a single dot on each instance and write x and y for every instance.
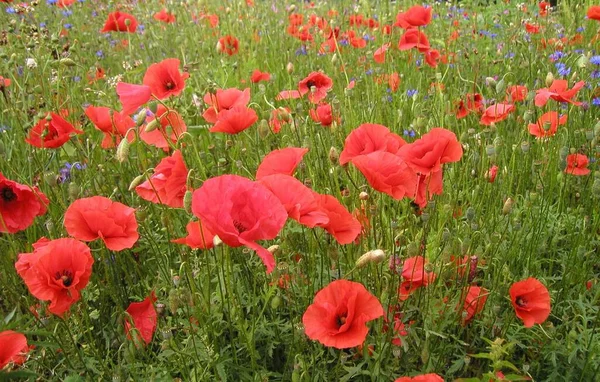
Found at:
(376, 256)
(217, 241)
(363, 196)
(290, 68)
(263, 128)
(122, 150)
(136, 182)
(274, 249)
(187, 201)
(152, 125)
(549, 79)
(508, 205)
(490, 81)
(334, 156)
(140, 118)
(74, 190)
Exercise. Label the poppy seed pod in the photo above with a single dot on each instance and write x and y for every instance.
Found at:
(187, 201)
(136, 182)
(549, 79)
(122, 151)
(263, 128)
(508, 205)
(334, 155)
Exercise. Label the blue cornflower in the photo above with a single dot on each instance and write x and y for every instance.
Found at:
(562, 69)
(42, 25)
(65, 172)
(580, 29)
(100, 54)
(556, 56)
(411, 93)
(76, 78)
(595, 74)
(51, 2)
(68, 26)
(595, 60)
(596, 101)
(4, 128)
(301, 51)
(10, 10)
(67, 13)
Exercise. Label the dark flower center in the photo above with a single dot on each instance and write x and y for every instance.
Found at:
(239, 226)
(66, 276)
(310, 84)
(7, 194)
(521, 302)
(170, 85)
(341, 320)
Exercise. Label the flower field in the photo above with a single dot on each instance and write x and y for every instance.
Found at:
(299, 191)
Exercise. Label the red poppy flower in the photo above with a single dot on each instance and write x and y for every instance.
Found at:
(317, 85)
(531, 301)
(120, 22)
(414, 38)
(171, 127)
(288, 94)
(282, 161)
(113, 124)
(56, 271)
(474, 104)
(19, 205)
(51, 132)
(133, 96)
(394, 81)
(144, 317)
(88, 219)
(416, 16)
(368, 138)
(593, 12)
(532, 28)
(234, 120)
(558, 91)
(165, 16)
(474, 302)
(427, 154)
(168, 183)
(279, 117)
(544, 6)
(4, 82)
(164, 78)
(414, 275)
(240, 212)
(339, 314)
(65, 3)
(296, 19)
(496, 113)
(323, 115)
(387, 173)
(298, 200)
(421, 378)
(342, 225)
(229, 45)
(224, 99)
(379, 55)
(13, 348)
(517, 93)
(429, 185)
(577, 165)
(432, 57)
(198, 236)
(258, 76)
(491, 174)
(547, 124)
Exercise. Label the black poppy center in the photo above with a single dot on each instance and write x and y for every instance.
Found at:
(7, 194)
(170, 85)
(341, 320)
(239, 226)
(66, 277)
(310, 84)
(521, 302)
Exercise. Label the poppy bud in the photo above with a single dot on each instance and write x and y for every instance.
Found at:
(290, 68)
(549, 79)
(528, 116)
(160, 309)
(187, 201)
(334, 155)
(500, 86)
(136, 182)
(173, 300)
(470, 213)
(413, 249)
(263, 128)
(508, 205)
(122, 151)
(141, 215)
(490, 81)
(74, 190)
(490, 150)
(275, 302)
(217, 241)
(152, 125)
(140, 118)
(176, 281)
(334, 58)
(375, 256)
(525, 147)
(2, 148)
(274, 249)
(67, 62)
(50, 179)
(292, 8)
(363, 196)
